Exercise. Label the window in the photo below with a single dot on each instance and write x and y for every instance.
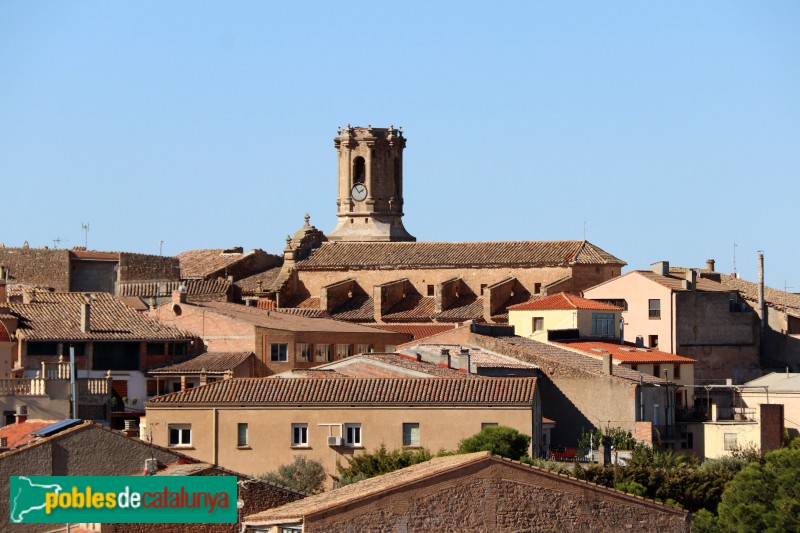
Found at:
(343, 350)
(792, 325)
(634, 367)
(322, 353)
(352, 434)
(485, 425)
(359, 172)
(411, 434)
(278, 353)
(687, 440)
(537, 288)
(730, 441)
(304, 352)
(656, 370)
(241, 435)
(603, 324)
(155, 348)
(430, 290)
(180, 434)
(483, 288)
(676, 372)
(654, 307)
(299, 434)
(538, 323)
(654, 341)
(363, 348)
(43, 348)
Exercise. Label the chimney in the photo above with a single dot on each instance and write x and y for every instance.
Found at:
(131, 429)
(28, 296)
(3, 444)
(762, 307)
(465, 360)
(21, 413)
(710, 264)
(444, 358)
(661, 268)
(3, 292)
(86, 314)
(179, 296)
(150, 466)
(608, 364)
(691, 280)
(639, 341)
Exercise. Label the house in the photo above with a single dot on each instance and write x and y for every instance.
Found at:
(109, 339)
(471, 492)
(281, 341)
(256, 425)
(562, 311)
(205, 368)
(776, 388)
(81, 270)
(78, 448)
(20, 432)
(689, 316)
(579, 391)
(230, 264)
(141, 295)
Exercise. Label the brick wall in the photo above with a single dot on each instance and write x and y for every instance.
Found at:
(771, 426)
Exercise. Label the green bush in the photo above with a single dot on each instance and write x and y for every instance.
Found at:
(303, 474)
(367, 465)
(500, 440)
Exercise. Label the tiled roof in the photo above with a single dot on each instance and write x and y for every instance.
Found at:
(563, 301)
(539, 353)
(209, 361)
(309, 303)
(308, 312)
(387, 255)
(359, 308)
(57, 316)
(369, 487)
(749, 290)
(418, 331)
(479, 357)
(388, 365)
(406, 391)
(249, 285)
(412, 308)
(19, 434)
(14, 290)
(203, 263)
(675, 283)
(777, 382)
(194, 287)
(4, 336)
(626, 353)
(468, 307)
(283, 319)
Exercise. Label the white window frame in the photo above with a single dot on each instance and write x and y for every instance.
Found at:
(730, 441)
(184, 431)
(408, 434)
(352, 435)
(239, 440)
(304, 352)
(282, 357)
(299, 435)
(654, 308)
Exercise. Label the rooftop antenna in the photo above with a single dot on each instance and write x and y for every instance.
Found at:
(56, 242)
(160, 246)
(584, 230)
(85, 228)
(734, 259)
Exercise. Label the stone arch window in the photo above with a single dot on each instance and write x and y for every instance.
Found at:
(359, 170)
(397, 181)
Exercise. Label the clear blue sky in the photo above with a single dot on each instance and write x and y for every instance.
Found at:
(670, 129)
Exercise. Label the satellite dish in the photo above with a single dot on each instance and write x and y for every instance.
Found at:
(239, 503)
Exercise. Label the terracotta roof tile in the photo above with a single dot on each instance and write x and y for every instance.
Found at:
(194, 287)
(19, 434)
(4, 336)
(467, 307)
(478, 357)
(56, 316)
(675, 283)
(406, 391)
(368, 255)
(390, 365)
(625, 353)
(418, 331)
(249, 285)
(209, 361)
(412, 308)
(774, 297)
(359, 308)
(561, 301)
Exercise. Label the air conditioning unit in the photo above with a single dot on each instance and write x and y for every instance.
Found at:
(334, 441)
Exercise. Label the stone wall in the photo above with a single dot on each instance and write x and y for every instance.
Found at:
(139, 267)
(37, 266)
(495, 495)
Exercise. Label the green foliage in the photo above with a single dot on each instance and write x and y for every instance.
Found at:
(764, 496)
(631, 487)
(705, 522)
(547, 464)
(500, 440)
(303, 474)
(621, 439)
(586, 439)
(381, 461)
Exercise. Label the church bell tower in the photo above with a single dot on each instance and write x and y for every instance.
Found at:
(370, 199)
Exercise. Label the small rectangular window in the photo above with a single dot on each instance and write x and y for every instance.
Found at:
(653, 341)
(411, 434)
(537, 288)
(322, 353)
(278, 353)
(485, 425)
(792, 325)
(730, 442)
(654, 308)
(431, 290)
(656, 370)
(242, 435)
(179, 434)
(305, 352)
(343, 350)
(352, 434)
(634, 367)
(538, 323)
(483, 288)
(676, 372)
(299, 434)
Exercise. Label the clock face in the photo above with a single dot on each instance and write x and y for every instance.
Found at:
(359, 192)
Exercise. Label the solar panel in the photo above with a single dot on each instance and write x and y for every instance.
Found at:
(52, 429)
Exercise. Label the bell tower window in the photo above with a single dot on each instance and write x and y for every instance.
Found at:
(359, 170)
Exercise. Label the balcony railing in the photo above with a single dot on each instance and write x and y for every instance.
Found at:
(22, 387)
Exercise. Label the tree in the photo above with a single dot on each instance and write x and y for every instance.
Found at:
(500, 440)
(381, 461)
(764, 496)
(303, 474)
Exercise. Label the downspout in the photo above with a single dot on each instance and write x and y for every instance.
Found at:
(216, 436)
(673, 337)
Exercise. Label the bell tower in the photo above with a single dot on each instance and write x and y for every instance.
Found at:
(370, 194)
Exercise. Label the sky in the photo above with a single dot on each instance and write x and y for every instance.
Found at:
(656, 130)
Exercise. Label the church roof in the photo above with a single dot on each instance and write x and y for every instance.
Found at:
(388, 255)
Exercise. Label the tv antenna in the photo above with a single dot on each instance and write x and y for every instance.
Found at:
(734, 259)
(85, 228)
(57, 241)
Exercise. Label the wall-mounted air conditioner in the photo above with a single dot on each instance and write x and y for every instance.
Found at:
(334, 441)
